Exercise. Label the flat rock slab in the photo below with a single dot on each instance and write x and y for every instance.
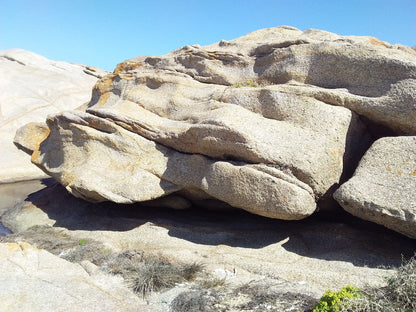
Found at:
(383, 188)
(313, 254)
(35, 280)
(31, 87)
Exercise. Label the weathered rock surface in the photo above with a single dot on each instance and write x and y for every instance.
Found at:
(31, 87)
(383, 188)
(275, 108)
(269, 122)
(35, 280)
(307, 257)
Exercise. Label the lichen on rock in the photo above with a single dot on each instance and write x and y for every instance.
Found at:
(177, 123)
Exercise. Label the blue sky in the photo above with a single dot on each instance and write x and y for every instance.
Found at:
(104, 33)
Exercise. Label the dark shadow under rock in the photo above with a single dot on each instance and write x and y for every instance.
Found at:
(355, 241)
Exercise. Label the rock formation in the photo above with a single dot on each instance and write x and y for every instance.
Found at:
(31, 87)
(271, 122)
(44, 282)
(383, 188)
(305, 257)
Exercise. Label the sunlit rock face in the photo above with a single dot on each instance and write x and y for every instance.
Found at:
(31, 87)
(382, 189)
(271, 122)
(33, 279)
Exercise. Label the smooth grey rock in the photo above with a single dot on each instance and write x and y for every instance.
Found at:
(35, 280)
(31, 87)
(383, 187)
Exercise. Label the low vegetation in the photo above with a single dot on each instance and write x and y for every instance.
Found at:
(253, 296)
(399, 295)
(245, 84)
(146, 273)
(156, 273)
(143, 273)
(335, 300)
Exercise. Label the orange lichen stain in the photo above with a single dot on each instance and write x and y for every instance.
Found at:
(377, 42)
(41, 137)
(214, 107)
(388, 168)
(399, 173)
(26, 246)
(126, 66)
(284, 197)
(311, 200)
(104, 84)
(414, 172)
(339, 156)
(390, 175)
(13, 247)
(103, 99)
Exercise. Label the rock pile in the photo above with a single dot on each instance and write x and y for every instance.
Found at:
(272, 123)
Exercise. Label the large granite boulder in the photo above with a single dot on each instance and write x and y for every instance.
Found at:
(35, 280)
(269, 122)
(383, 188)
(31, 87)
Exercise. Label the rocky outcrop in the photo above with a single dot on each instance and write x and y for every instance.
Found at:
(304, 256)
(35, 280)
(271, 122)
(382, 189)
(31, 87)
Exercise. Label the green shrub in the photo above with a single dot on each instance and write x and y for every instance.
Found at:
(248, 83)
(333, 301)
(399, 295)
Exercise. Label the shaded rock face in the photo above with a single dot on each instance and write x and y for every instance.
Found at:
(269, 122)
(31, 87)
(382, 189)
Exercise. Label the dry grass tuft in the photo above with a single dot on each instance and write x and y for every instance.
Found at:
(195, 301)
(262, 297)
(156, 273)
(143, 273)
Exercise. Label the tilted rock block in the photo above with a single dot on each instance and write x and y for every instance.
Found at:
(383, 188)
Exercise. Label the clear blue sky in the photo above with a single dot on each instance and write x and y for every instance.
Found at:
(104, 33)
